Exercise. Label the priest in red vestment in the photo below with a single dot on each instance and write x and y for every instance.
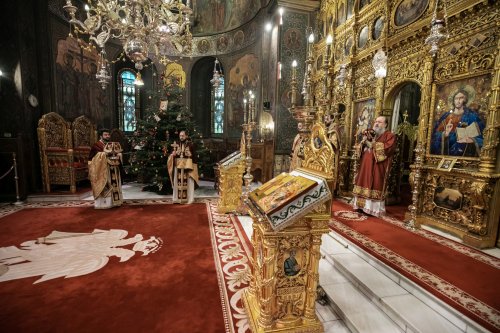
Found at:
(376, 150)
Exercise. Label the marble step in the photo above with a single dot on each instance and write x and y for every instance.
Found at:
(351, 306)
(407, 305)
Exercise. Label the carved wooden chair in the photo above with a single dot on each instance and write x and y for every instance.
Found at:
(84, 136)
(57, 155)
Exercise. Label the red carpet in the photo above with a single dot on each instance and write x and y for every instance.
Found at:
(176, 289)
(465, 278)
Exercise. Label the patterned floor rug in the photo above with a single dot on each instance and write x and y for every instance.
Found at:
(465, 278)
(129, 281)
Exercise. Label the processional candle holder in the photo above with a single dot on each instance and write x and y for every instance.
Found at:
(419, 158)
(307, 113)
(249, 125)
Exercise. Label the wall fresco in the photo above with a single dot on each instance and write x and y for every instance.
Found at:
(215, 16)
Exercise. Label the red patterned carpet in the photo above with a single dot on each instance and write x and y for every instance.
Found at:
(191, 283)
(464, 278)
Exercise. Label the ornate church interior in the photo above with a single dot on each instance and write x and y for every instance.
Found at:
(262, 221)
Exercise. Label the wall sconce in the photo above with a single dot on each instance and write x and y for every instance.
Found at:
(380, 64)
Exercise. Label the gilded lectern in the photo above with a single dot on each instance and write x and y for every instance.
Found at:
(230, 170)
(290, 214)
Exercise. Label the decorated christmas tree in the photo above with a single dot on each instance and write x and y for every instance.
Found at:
(164, 119)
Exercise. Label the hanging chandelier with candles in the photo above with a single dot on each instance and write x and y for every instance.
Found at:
(143, 27)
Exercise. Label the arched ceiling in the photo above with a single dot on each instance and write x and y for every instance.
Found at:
(217, 16)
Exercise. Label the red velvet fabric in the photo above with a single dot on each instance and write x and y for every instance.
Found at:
(474, 277)
(173, 290)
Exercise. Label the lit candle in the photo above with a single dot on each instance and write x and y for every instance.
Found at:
(329, 41)
(309, 45)
(244, 110)
(250, 109)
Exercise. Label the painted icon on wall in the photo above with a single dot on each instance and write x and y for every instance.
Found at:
(378, 26)
(408, 11)
(459, 117)
(363, 37)
(448, 198)
(363, 119)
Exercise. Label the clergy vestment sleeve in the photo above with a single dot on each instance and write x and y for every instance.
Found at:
(385, 148)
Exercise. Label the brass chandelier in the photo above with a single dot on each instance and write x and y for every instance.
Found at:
(143, 27)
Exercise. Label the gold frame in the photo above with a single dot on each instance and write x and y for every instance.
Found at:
(425, 12)
(446, 164)
(433, 116)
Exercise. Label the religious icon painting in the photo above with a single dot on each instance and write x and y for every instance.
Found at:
(293, 39)
(203, 46)
(459, 117)
(378, 26)
(291, 264)
(446, 164)
(364, 112)
(408, 11)
(319, 62)
(363, 37)
(239, 37)
(448, 198)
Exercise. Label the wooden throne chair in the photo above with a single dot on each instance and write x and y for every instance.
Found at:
(57, 155)
(84, 136)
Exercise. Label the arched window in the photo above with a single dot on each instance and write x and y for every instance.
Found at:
(218, 108)
(127, 102)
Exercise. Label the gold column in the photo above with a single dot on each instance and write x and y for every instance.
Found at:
(312, 284)
(267, 285)
(379, 96)
(491, 132)
(425, 112)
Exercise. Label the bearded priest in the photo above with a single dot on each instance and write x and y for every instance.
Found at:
(375, 151)
(104, 172)
(183, 170)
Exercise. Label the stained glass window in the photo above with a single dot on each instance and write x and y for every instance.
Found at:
(218, 108)
(127, 101)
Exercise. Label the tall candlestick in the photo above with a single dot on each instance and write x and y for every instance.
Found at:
(294, 84)
(244, 110)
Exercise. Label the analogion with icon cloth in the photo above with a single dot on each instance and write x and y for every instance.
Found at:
(288, 197)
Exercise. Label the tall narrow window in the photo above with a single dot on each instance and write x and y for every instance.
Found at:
(127, 106)
(218, 108)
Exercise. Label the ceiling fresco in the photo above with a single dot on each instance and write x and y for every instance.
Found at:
(216, 16)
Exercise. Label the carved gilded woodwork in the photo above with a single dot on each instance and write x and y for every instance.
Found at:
(402, 70)
(318, 152)
(491, 133)
(472, 219)
(364, 81)
(285, 262)
(61, 164)
(278, 301)
(470, 51)
(231, 171)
